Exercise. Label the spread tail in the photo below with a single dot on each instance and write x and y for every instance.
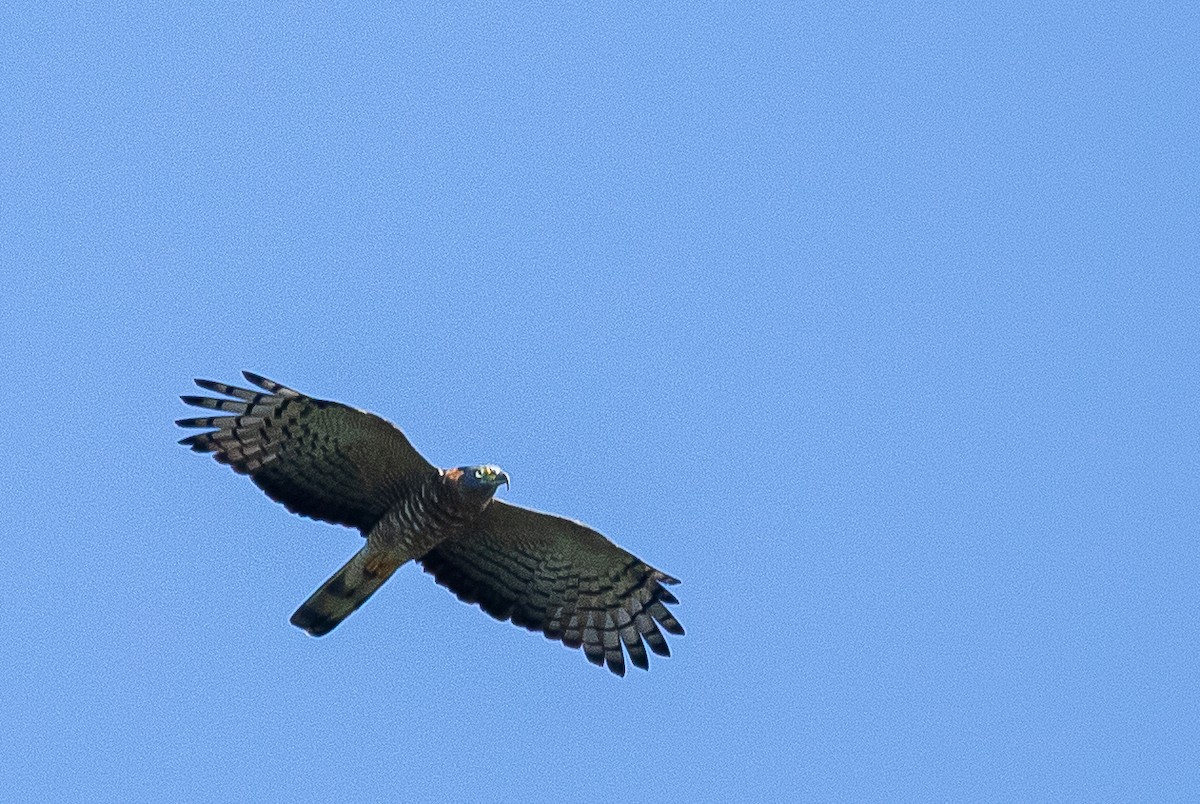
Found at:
(345, 591)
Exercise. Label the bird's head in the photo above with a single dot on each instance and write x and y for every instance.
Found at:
(477, 483)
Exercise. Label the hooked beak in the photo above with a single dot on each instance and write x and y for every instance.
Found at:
(502, 478)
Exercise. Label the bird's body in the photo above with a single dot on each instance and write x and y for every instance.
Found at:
(332, 462)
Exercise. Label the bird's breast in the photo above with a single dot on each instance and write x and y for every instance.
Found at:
(418, 522)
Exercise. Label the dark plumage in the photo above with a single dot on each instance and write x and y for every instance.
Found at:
(338, 464)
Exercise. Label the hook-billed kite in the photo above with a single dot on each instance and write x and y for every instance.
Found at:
(336, 463)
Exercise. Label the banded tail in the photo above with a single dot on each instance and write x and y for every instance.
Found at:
(345, 591)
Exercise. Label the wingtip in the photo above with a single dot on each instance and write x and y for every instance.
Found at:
(211, 385)
(672, 626)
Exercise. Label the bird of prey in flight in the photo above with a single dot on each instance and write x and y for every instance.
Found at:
(335, 463)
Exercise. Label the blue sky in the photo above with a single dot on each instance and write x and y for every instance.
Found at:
(874, 324)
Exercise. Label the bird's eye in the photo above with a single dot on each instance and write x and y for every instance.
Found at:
(478, 474)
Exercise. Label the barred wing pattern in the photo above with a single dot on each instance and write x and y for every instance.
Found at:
(562, 578)
(320, 459)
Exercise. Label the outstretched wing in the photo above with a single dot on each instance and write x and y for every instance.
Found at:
(562, 578)
(321, 459)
